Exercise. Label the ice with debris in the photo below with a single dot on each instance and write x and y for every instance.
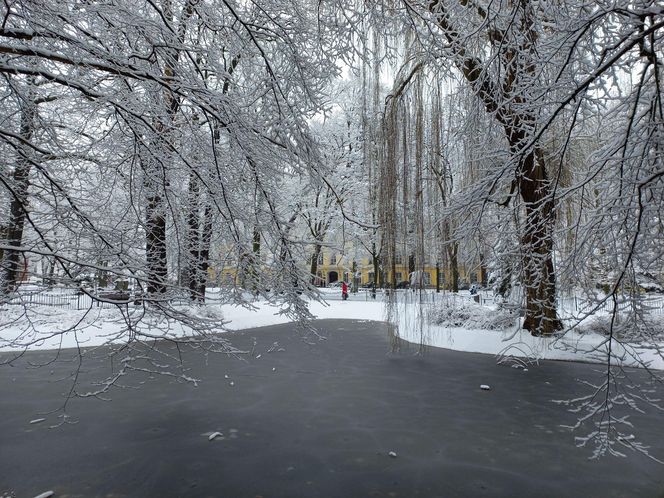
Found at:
(46, 494)
(214, 435)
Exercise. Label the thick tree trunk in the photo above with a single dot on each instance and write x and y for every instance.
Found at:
(194, 238)
(155, 245)
(204, 254)
(11, 264)
(482, 277)
(452, 254)
(375, 261)
(256, 261)
(539, 278)
(156, 180)
(313, 269)
(3, 238)
(411, 264)
(503, 99)
(452, 248)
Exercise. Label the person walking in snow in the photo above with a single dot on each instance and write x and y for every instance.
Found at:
(344, 290)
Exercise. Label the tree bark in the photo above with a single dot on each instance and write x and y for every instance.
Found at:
(537, 241)
(204, 253)
(314, 263)
(256, 260)
(155, 247)
(452, 253)
(378, 275)
(11, 266)
(452, 248)
(194, 239)
(156, 174)
(506, 100)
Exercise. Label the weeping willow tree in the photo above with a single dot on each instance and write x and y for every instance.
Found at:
(507, 98)
(567, 169)
(414, 182)
(371, 150)
(522, 70)
(421, 161)
(441, 173)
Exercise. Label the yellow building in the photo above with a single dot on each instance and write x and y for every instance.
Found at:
(334, 266)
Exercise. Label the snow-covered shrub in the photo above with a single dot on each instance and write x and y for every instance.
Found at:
(467, 314)
(627, 327)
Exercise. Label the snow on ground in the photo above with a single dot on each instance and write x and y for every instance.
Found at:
(100, 326)
(44, 328)
(519, 343)
(515, 342)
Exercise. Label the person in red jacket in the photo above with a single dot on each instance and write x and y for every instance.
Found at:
(344, 290)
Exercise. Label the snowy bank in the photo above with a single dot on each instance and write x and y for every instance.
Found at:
(509, 339)
(49, 328)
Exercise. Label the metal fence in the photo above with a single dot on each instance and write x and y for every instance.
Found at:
(74, 299)
(652, 304)
(64, 298)
(412, 296)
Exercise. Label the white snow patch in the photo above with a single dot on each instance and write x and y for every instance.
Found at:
(514, 341)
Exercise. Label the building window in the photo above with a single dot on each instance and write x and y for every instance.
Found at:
(321, 258)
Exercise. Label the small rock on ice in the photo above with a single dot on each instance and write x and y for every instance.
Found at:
(258, 356)
(484, 387)
(214, 435)
(231, 383)
(225, 376)
(392, 454)
(37, 420)
(46, 494)
(274, 369)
